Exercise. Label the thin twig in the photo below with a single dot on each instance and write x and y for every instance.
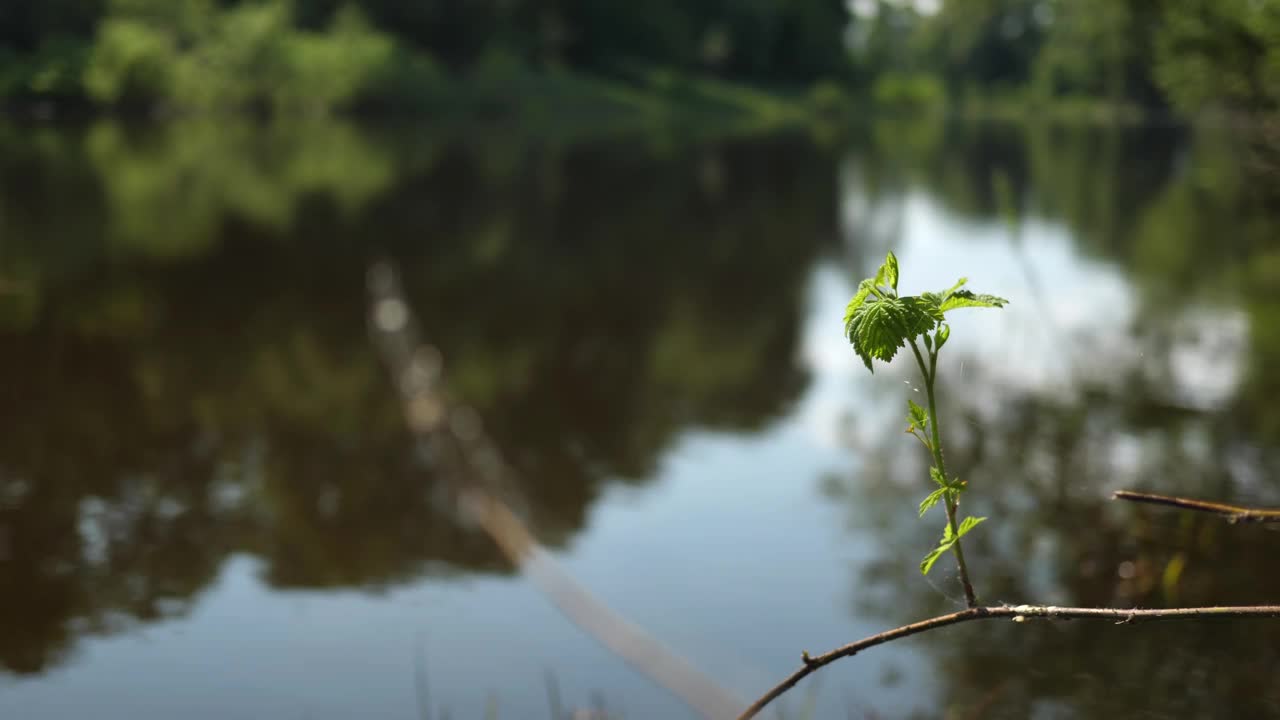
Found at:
(1018, 613)
(1232, 513)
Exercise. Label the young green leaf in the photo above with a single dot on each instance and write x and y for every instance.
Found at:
(931, 500)
(927, 563)
(926, 308)
(936, 475)
(951, 290)
(932, 304)
(878, 328)
(891, 270)
(968, 524)
(965, 298)
(918, 416)
(864, 289)
(944, 332)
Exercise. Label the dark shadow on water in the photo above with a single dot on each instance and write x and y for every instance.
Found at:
(189, 373)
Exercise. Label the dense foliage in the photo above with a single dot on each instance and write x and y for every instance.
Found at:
(320, 54)
(308, 55)
(1185, 55)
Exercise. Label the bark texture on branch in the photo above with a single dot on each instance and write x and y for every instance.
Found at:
(1232, 513)
(1017, 613)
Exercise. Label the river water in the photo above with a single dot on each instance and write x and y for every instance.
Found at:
(210, 507)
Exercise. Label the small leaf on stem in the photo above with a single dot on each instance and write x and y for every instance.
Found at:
(931, 500)
(968, 524)
(927, 563)
(938, 478)
(918, 416)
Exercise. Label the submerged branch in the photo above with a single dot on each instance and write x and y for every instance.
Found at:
(1232, 513)
(1018, 613)
(472, 466)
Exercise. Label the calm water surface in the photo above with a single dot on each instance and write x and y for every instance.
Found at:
(209, 507)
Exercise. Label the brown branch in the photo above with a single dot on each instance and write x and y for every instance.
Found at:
(1232, 513)
(1017, 613)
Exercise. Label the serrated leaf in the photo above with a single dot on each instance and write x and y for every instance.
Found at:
(927, 308)
(891, 270)
(947, 538)
(944, 332)
(968, 524)
(879, 328)
(934, 301)
(927, 563)
(936, 475)
(931, 500)
(966, 298)
(864, 289)
(917, 416)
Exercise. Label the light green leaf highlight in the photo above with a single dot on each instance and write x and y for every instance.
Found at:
(918, 416)
(878, 328)
(931, 500)
(864, 289)
(965, 298)
(927, 563)
(951, 290)
(968, 524)
(878, 322)
(948, 540)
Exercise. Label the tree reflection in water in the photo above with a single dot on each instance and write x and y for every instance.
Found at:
(189, 374)
(1174, 400)
(187, 385)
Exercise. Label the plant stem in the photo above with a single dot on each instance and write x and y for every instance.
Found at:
(930, 373)
(1018, 613)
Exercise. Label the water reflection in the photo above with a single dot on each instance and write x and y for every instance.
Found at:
(196, 378)
(190, 380)
(1083, 387)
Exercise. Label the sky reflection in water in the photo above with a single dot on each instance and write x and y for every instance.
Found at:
(654, 339)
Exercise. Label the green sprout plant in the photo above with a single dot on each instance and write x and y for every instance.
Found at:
(878, 323)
